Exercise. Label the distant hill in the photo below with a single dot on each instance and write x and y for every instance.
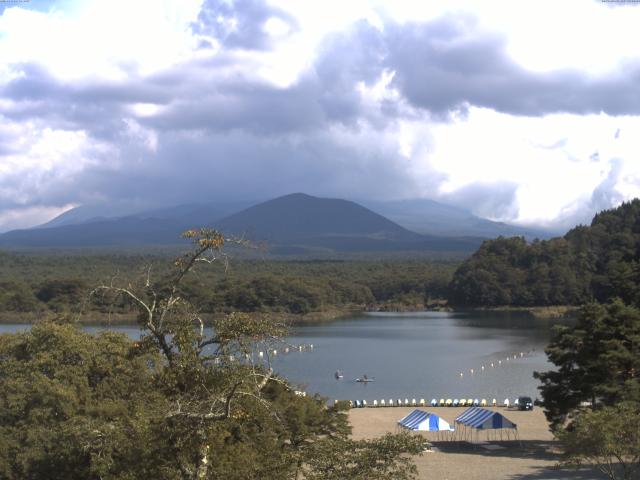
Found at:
(426, 216)
(293, 224)
(121, 232)
(92, 227)
(300, 216)
(299, 222)
(194, 214)
(599, 261)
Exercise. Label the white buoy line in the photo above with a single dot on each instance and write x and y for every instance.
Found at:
(497, 363)
(264, 354)
(274, 352)
(463, 402)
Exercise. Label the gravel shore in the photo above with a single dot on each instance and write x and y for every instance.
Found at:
(535, 456)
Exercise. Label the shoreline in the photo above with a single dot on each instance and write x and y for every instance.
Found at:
(543, 312)
(329, 315)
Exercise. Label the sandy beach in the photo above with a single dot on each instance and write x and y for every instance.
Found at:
(535, 456)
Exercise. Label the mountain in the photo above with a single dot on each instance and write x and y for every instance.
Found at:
(88, 213)
(292, 224)
(120, 232)
(299, 216)
(301, 221)
(195, 213)
(430, 217)
(91, 226)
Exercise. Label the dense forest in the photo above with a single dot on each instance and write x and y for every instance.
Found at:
(596, 262)
(61, 283)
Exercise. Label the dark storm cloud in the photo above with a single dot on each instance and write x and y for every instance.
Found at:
(97, 107)
(240, 165)
(239, 23)
(252, 106)
(35, 83)
(450, 64)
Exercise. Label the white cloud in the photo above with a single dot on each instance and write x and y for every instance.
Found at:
(487, 146)
(16, 218)
(102, 55)
(100, 38)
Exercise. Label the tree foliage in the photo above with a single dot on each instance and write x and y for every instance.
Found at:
(189, 400)
(598, 262)
(597, 361)
(608, 438)
(76, 406)
(42, 283)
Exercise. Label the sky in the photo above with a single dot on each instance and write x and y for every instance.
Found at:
(526, 112)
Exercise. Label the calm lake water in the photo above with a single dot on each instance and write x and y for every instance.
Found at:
(414, 355)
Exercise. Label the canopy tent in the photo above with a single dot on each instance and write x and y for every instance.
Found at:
(425, 422)
(480, 419)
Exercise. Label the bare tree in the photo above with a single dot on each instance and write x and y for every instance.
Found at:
(209, 368)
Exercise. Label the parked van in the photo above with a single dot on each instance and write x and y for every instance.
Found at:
(525, 403)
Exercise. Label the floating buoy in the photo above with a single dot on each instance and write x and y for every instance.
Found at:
(471, 370)
(311, 346)
(275, 352)
(286, 350)
(491, 364)
(461, 374)
(521, 354)
(261, 354)
(482, 367)
(499, 362)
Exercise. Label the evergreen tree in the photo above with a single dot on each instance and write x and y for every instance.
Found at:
(597, 361)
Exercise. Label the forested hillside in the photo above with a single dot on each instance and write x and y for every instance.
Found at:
(595, 262)
(41, 284)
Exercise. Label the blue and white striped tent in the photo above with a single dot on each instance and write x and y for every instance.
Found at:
(484, 419)
(424, 421)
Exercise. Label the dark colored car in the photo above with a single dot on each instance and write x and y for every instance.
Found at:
(525, 403)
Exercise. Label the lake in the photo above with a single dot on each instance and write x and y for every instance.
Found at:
(413, 355)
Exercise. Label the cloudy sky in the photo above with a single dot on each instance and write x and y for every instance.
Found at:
(521, 111)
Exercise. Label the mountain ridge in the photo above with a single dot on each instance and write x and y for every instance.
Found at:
(296, 222)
